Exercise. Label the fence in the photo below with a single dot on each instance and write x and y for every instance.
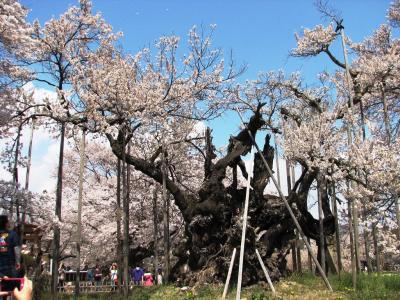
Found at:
(88, 287)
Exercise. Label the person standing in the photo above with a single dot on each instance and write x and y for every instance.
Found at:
(10, 250)
(159, 277)
(137, 275)
(97, 276)
(114, 276)
(148, 279)
(61, 276)
(90, 276)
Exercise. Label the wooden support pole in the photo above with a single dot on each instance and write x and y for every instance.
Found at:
(155, 230)
(337, 229)
(298, 253)
(265, 272)
(165, 217)
(297, 242)
(79, 227)
(376, 246)
(328, 285)
(353, 241)
(228, 279)
(321, 229)
(246, 207)
(125, 279)
(310, 266)
(28, 170)
(278, 172)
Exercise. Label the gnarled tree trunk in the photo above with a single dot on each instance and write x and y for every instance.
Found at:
(212, 216)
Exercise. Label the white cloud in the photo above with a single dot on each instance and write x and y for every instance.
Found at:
(40, 94)
(44, 150)
(43, 169)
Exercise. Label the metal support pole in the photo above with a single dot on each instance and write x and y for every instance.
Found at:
(265, 272)
(328, 285)
(228, 279)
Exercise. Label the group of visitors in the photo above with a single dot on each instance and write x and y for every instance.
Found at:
(98, 276)
(10, 262)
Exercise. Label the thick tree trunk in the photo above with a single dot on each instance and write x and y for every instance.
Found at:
(56, 238)
(213, 214)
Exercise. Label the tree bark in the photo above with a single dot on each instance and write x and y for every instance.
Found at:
(212, 214)
(56, 238)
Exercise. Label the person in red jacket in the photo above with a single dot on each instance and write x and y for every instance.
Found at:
(148, 279)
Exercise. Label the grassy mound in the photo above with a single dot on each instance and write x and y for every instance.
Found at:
(305, 286)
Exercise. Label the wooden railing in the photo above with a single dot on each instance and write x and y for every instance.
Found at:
(88, 287)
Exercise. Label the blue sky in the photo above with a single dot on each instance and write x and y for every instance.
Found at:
(260, 34)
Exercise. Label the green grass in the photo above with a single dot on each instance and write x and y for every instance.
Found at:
(305, 286)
